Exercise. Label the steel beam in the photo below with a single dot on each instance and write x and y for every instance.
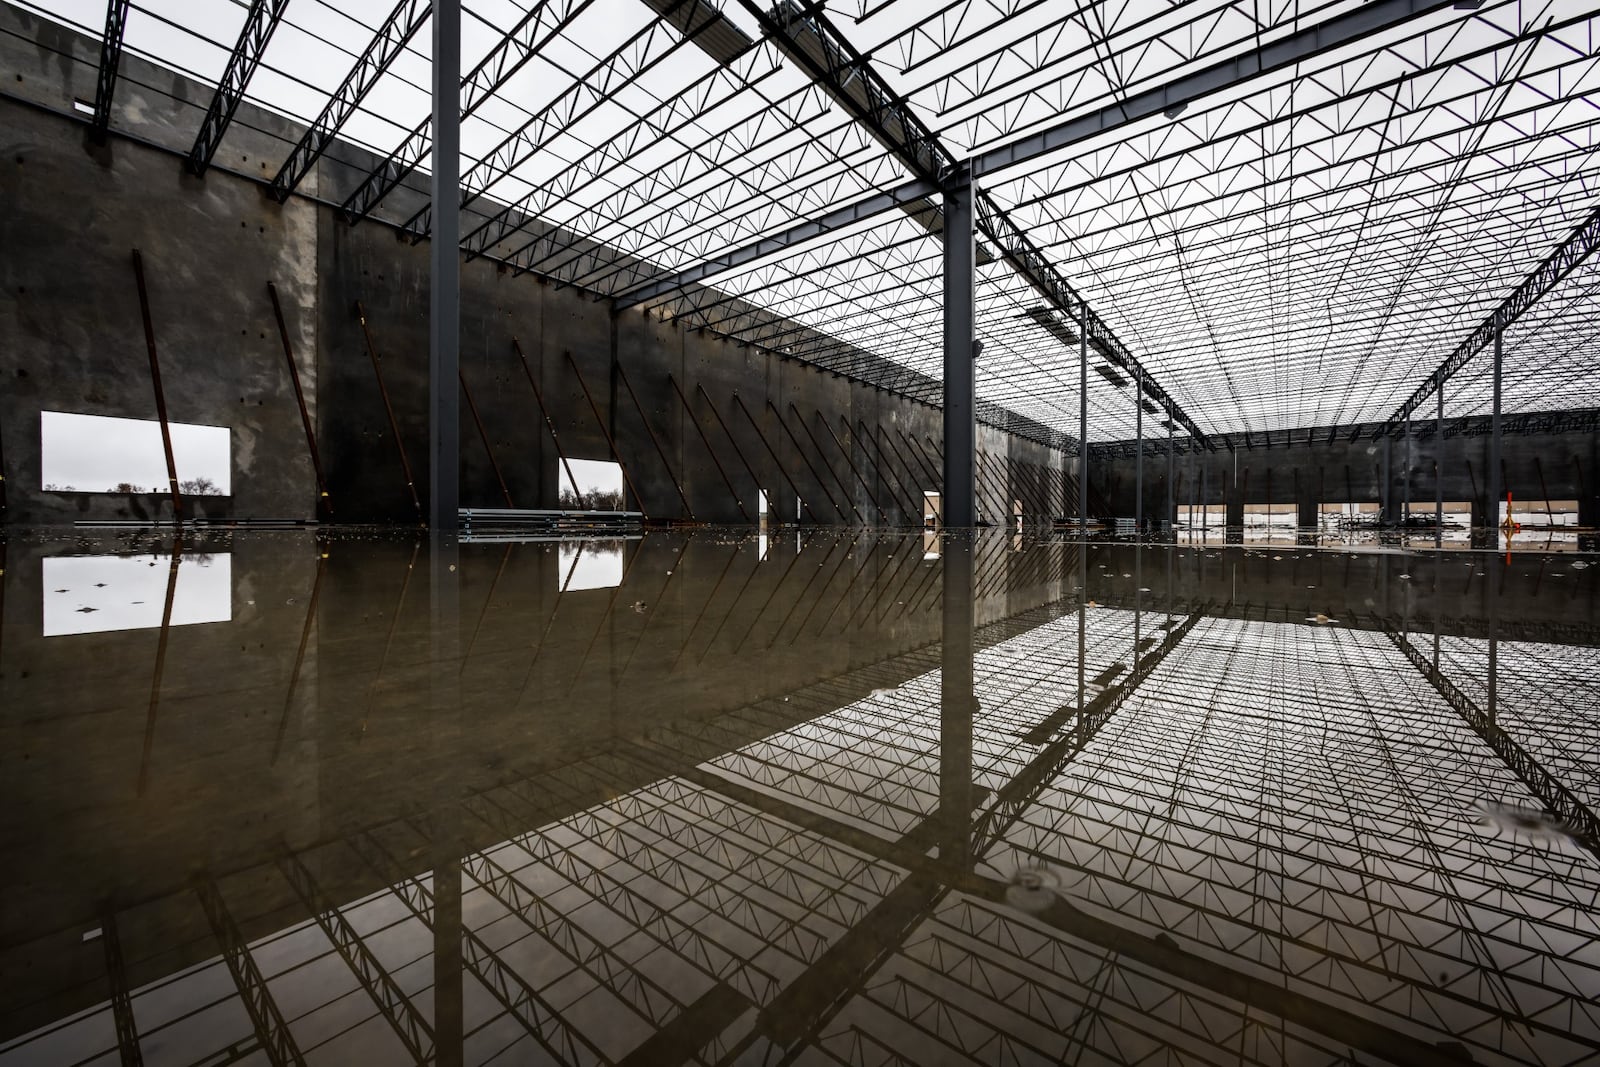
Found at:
(272, 1033)
(1287, 54)
(391, 1001)
(105, 86)
(1577, 247)
(122, 1018)
(960, 379)
(390, 40)
(444, 294)
(260, 22)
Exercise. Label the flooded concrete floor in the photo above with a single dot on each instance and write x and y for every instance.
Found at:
(816, 796)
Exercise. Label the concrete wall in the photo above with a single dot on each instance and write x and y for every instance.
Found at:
(1303, 469)
(72, 340)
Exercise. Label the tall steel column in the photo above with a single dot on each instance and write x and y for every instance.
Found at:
(444, 304)
(1405, 483)
(957, 701)
(1492, 476)
(444, 501)
(960, 382)
(1171, 473)
(1438, 472)
(1138, 455)
(1083, 416)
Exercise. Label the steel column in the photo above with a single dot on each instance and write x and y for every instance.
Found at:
(1491, 477)
(960, 383)
(1138, 456)
(1083, 415)
(1405, 479)
(1171, 472)
(444, 300)
(1438, 472)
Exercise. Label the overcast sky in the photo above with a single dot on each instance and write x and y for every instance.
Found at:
(93, 453)
(595, 475)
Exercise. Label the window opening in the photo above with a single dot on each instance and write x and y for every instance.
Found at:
(104, 454)
(599, 486)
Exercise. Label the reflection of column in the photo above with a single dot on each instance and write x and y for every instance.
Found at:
(956, 704)
(444, 683)
(447, 1000)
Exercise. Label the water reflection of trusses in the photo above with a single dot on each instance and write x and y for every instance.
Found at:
(1264, 834)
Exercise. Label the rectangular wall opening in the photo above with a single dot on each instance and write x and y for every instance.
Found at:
(1538, 512)
(931, 515)
(599, 486)
(103, 454)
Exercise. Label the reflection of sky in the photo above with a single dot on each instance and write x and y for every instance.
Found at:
(595, 475)
(95, 594)
(93, 453)
(591, 564)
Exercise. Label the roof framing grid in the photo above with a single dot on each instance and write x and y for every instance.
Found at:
(1301, 47)
(1556, 266)
(1289, 256)
(810, 39)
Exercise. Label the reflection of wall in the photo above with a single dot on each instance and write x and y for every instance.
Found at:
(1537, 599)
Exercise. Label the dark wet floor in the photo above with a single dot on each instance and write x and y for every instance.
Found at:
(818, 796)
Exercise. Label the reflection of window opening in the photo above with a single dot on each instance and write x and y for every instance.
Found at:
(97, 594)
(599, 486)
(102, 454)
(591, 565)
(1346, 513)
(930, 545)
(1262, 516)
(930, 508)
(761, 543)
